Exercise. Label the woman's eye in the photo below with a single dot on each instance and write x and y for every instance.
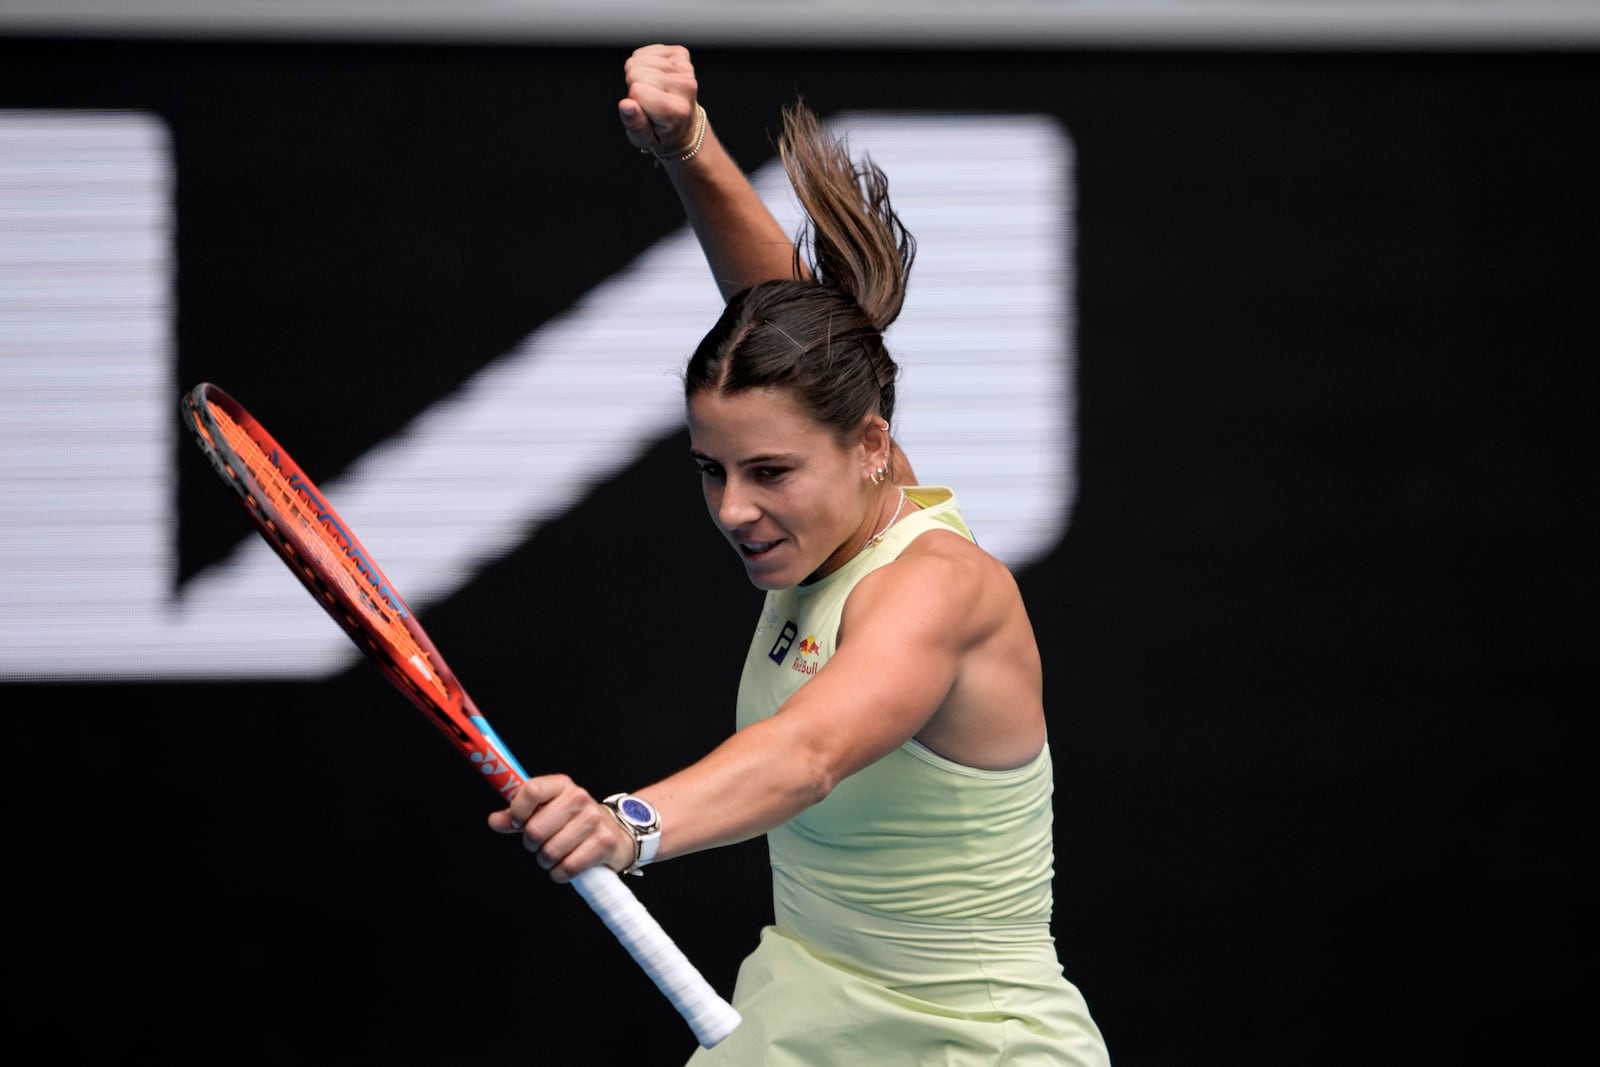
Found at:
(770, 474)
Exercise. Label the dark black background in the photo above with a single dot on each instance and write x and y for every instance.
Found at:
(1315, 641)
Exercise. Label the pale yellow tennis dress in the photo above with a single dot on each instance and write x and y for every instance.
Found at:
(912, 905)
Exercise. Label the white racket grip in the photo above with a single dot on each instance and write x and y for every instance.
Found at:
(709, 1016)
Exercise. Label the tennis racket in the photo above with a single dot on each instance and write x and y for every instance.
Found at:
(319, 547)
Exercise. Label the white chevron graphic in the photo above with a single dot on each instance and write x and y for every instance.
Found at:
(86, 349)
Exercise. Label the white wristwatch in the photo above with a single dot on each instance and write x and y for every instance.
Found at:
(640, 818)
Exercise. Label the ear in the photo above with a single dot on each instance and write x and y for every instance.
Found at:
(875, 447)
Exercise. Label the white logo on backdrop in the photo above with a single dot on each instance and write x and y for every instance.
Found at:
(87, 359)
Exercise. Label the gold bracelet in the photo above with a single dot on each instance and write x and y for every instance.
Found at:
(694, 150)
(699, 137)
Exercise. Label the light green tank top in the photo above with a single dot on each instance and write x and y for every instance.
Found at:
(914, 835)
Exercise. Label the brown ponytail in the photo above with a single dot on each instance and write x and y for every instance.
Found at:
(856, 241)
(820, 337)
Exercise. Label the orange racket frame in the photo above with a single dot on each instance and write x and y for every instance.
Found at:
(296, 519)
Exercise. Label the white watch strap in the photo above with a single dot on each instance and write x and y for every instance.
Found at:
(647, 848)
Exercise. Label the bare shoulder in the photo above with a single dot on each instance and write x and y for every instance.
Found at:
(942, 576)
(946, 556)
(947, 621)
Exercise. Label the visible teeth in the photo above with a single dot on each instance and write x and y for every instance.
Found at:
(761, 546)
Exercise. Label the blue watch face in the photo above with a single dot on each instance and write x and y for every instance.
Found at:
(637, 810)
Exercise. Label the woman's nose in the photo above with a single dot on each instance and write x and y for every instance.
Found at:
(734, 505)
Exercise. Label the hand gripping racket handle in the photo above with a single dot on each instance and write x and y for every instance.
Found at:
(708, 1015)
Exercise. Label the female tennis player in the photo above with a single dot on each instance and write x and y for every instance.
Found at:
(890, 736)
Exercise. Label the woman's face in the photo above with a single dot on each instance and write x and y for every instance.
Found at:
(791, 500)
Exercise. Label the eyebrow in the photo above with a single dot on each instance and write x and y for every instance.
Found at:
(751, 461)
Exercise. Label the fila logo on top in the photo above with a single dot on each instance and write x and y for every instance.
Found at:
(780, 647)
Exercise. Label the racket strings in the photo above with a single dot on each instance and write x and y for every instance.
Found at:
(330, 558)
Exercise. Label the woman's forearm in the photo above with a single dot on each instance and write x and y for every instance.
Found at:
(742, 240)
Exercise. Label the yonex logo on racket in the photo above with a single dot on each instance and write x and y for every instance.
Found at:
(325, 515)
(491, 766)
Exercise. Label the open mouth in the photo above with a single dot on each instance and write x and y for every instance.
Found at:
(756, 549)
